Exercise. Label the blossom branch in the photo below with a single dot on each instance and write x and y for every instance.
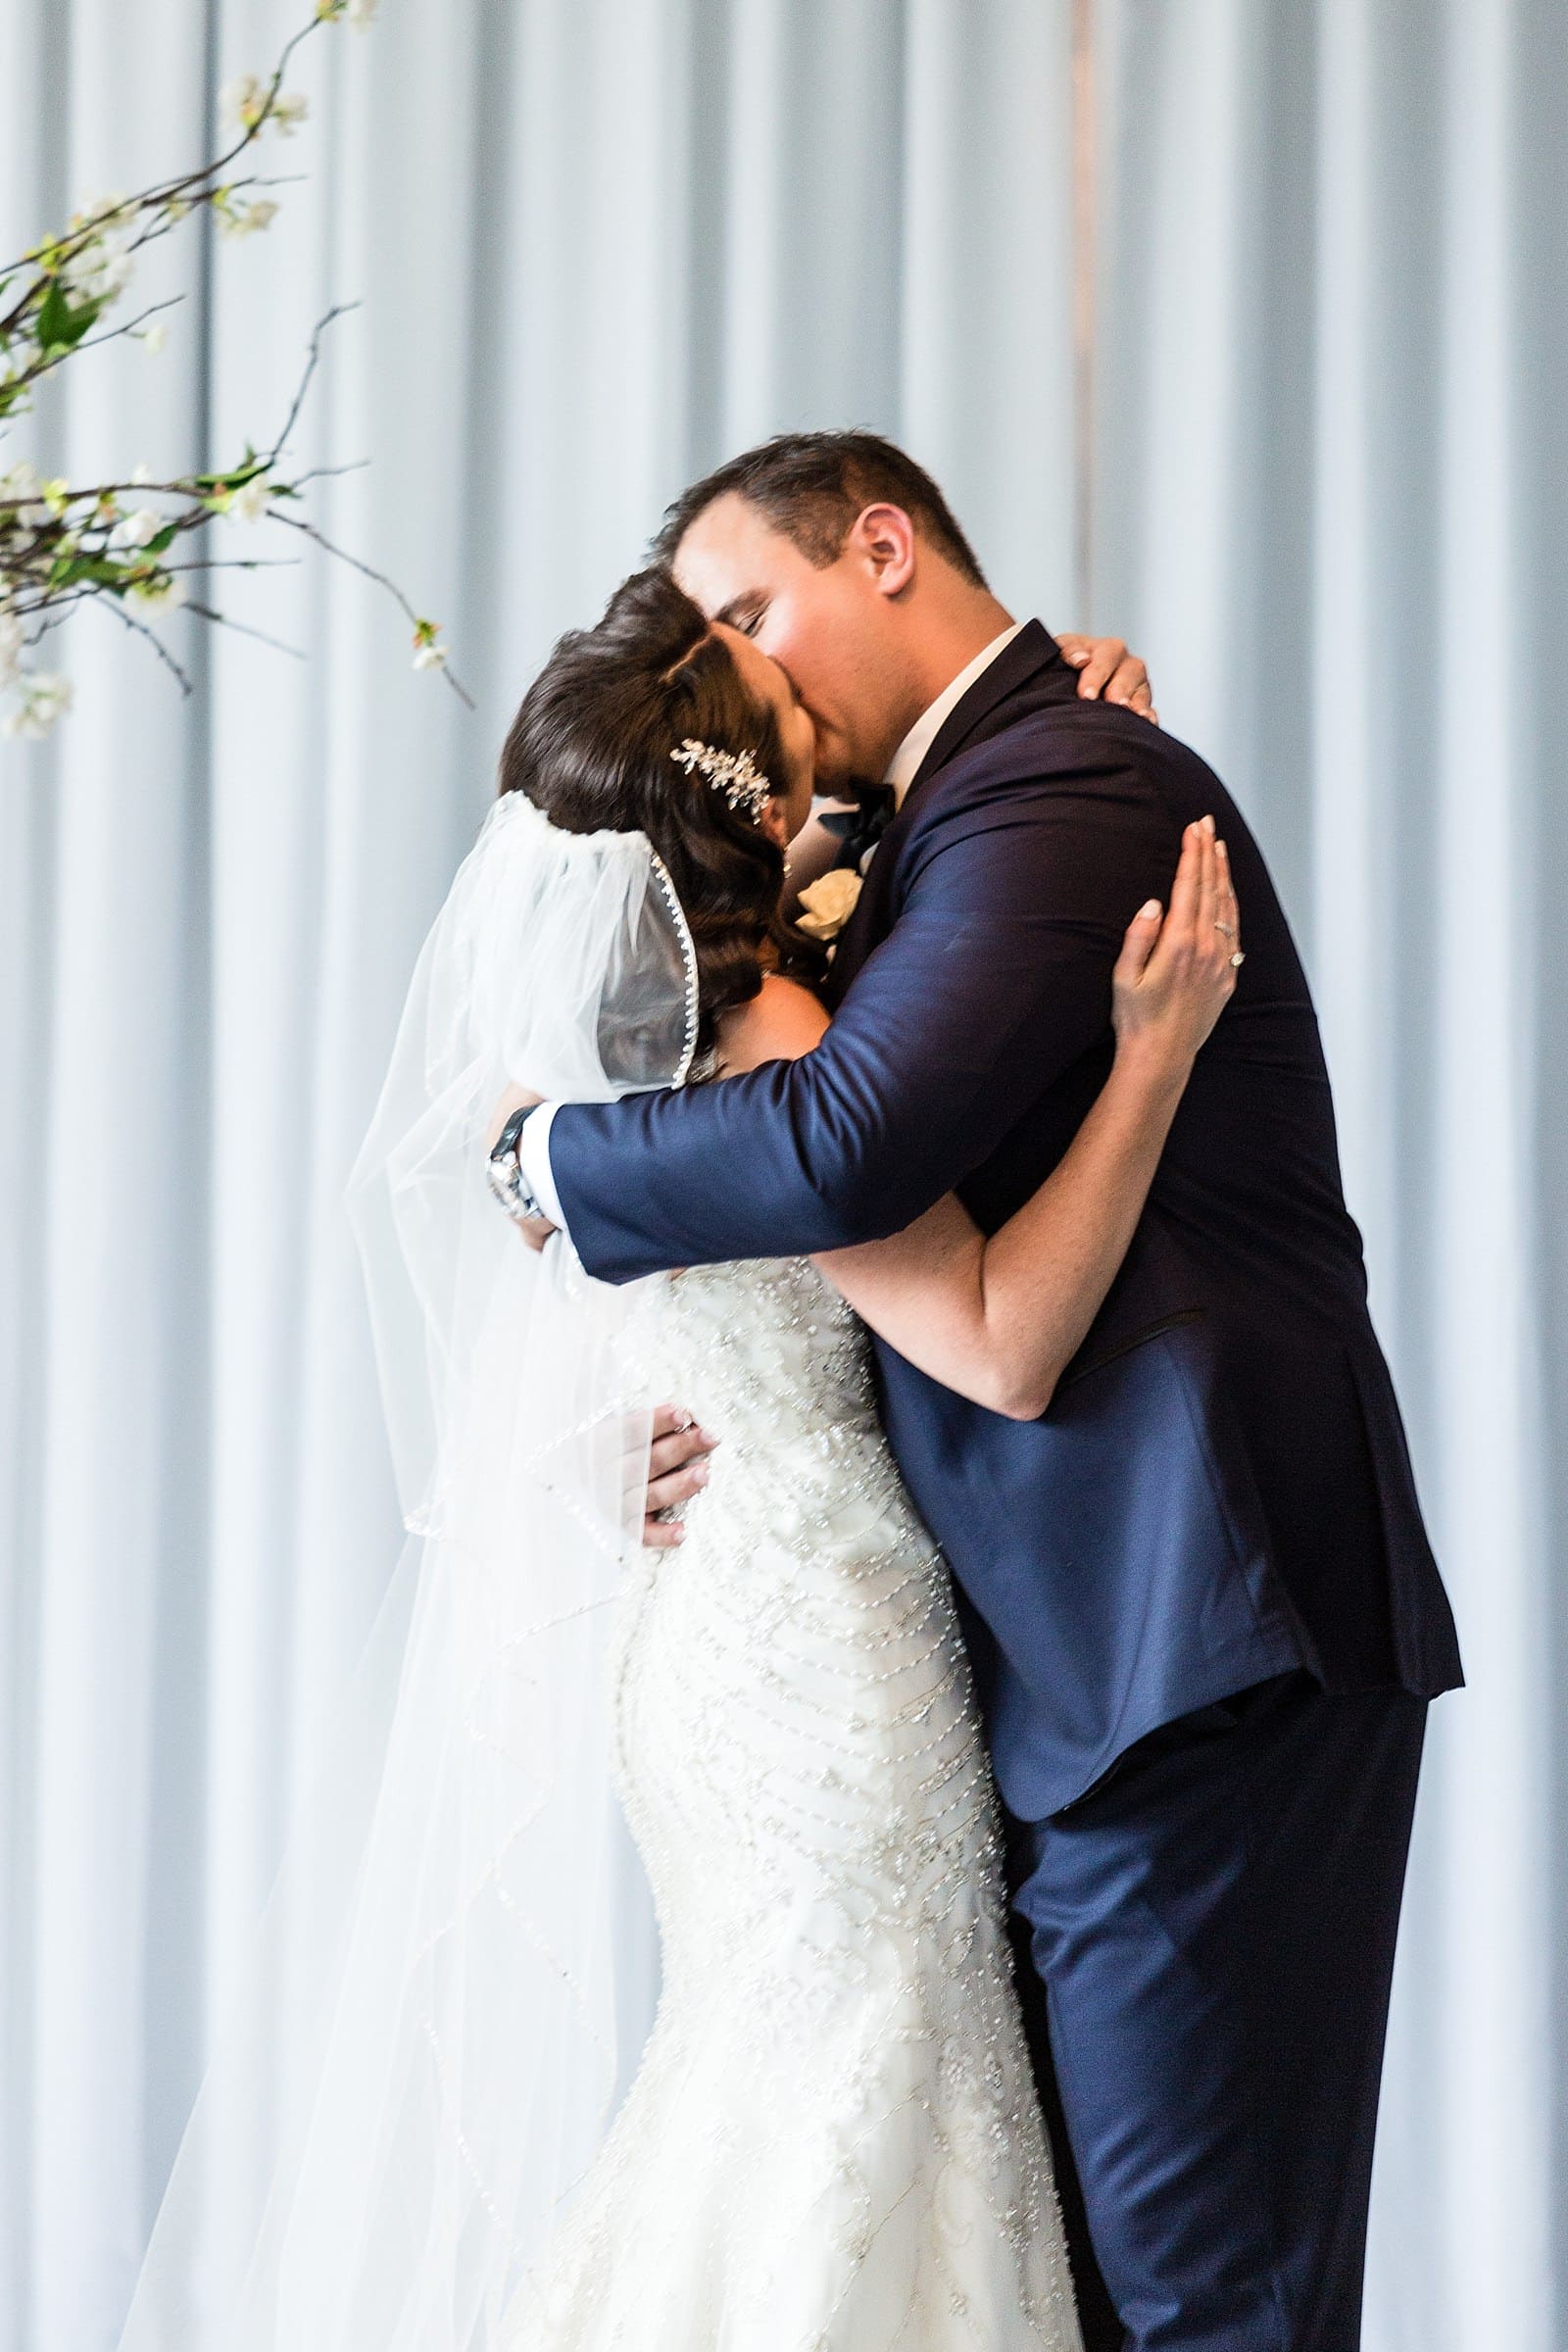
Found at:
(61, 544)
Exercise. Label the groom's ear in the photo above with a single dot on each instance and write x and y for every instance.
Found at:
(882, 542)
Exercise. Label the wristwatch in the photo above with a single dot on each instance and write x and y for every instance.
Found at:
(503, 1168)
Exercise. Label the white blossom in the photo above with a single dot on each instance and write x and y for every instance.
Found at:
(19, 491)
(45, 697)
(134, 530)
(240, 99)
(430, 655)
(361, 12)
(243, 102)
(250, 501)
(164, 593)
(154, 336)
(141, 472)
(102, 265)
(244, 220)
(12, 634)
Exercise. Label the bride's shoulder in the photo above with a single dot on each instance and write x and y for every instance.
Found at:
(783, 1022)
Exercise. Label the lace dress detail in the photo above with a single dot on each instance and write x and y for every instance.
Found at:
(832, 2143)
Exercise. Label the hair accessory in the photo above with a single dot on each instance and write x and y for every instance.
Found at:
(733, 773)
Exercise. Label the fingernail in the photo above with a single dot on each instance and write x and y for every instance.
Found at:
(1222, 850)
(700, 1475)
(680, 1536)
(1208, 826)
(1147, 912)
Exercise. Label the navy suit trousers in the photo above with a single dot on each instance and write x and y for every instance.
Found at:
(1207, 1942)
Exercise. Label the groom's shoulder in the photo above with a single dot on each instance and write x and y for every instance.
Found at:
(1044, 758)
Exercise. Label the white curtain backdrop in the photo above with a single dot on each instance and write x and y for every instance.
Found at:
(599, 243)
(1332, 426)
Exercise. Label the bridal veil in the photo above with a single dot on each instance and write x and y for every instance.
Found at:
(422, 2062)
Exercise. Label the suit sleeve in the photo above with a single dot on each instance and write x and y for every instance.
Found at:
(994, 980)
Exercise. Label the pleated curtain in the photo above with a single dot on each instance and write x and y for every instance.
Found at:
(1280, 398)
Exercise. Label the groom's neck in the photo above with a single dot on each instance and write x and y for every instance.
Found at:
(951, 624)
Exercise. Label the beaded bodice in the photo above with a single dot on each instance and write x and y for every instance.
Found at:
(768, 1357)
(832, 2145)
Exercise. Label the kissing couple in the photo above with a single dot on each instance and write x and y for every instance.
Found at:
(937, 1485)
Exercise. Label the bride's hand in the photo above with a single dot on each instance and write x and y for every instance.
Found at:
(1175, 977)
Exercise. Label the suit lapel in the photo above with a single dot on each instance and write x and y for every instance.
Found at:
(1032, 659)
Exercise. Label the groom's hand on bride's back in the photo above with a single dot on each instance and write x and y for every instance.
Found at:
(1109, 672)
(677, 1469)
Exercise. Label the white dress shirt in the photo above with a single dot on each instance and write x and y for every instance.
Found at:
(533, 1150)
(904, 764)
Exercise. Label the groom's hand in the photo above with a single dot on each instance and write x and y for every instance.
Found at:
(1107, 669)
(677, 1469)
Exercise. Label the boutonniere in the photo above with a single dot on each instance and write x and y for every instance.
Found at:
(827, 904)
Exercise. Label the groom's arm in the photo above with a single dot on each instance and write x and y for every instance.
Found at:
(995, 979)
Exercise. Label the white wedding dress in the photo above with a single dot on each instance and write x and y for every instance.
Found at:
(833, 2141)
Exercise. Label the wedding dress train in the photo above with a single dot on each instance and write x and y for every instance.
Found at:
(832, 2142)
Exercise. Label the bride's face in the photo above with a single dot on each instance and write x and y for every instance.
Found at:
(770, 684)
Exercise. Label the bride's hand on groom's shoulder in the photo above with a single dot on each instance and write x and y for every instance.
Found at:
(1176, 969)
(1109, 672)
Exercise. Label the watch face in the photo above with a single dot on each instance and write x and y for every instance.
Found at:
(506, 1141)
(504, 1169)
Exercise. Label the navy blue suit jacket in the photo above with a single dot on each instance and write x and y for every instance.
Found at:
(1221, 1489)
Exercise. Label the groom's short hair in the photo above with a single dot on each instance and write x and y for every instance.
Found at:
(811, 486)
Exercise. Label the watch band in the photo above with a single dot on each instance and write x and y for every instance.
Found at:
(503, 1168)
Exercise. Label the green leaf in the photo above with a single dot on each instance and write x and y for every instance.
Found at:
(54, 317)
(59, 326)
(160, 539)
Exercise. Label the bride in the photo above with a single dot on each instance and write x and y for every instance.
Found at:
(831, 2140)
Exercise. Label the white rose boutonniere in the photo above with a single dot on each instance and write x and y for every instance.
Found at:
(827, 904)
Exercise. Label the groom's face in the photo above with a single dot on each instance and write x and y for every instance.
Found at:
(826, 626)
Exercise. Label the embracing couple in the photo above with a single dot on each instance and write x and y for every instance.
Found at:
(939, 1486)
(1121, 1358)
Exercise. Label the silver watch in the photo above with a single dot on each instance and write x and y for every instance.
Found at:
(503, 1168)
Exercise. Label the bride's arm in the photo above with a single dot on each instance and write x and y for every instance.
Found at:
(999, 1319)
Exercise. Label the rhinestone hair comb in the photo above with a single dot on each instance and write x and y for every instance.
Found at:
(733, 773)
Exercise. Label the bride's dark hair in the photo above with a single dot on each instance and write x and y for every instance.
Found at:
(591, 747)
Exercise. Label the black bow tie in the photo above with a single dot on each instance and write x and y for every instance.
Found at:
(861, 827)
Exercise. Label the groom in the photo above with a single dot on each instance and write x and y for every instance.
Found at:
(1203, 1614)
